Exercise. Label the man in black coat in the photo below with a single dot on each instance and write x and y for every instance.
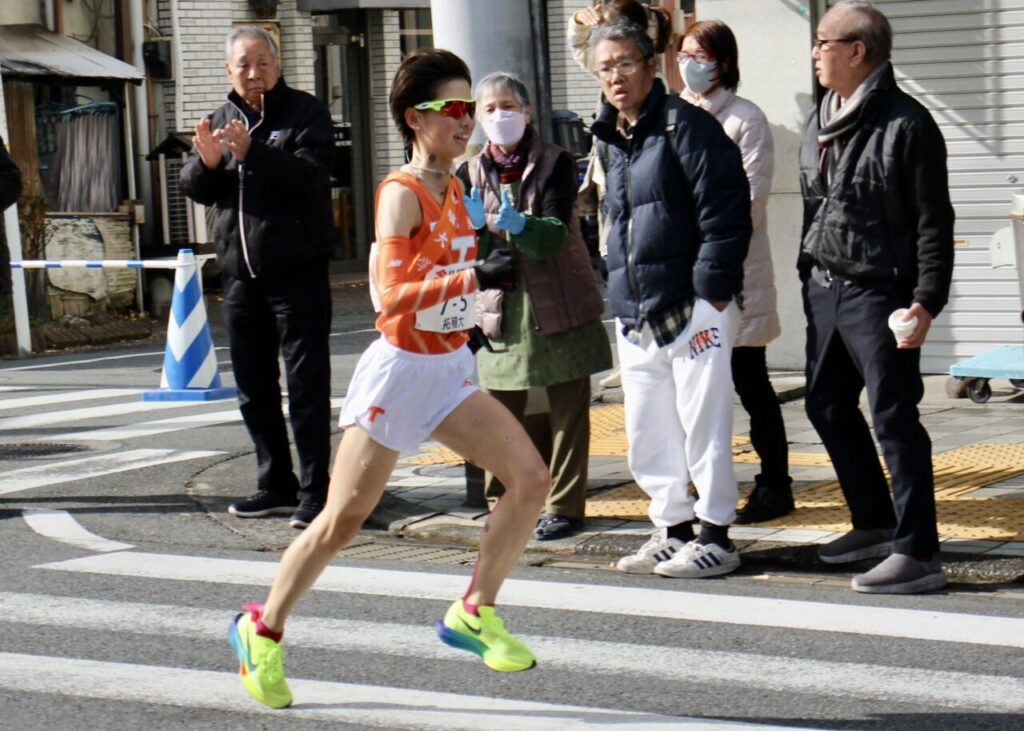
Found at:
(10, 189)
(264, 160)
(878, 237)
(677, 207)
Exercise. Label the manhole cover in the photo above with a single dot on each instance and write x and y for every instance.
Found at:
(38, 449)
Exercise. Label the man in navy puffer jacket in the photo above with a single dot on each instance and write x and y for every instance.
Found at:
(678, 209)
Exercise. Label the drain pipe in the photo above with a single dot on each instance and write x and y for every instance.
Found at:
(140, 103)
(542, 103)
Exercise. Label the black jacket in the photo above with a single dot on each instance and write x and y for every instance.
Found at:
(10, 189)
(282, 190)
(886, 213)
(678, 210)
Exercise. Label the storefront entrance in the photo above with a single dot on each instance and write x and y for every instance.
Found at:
(341, 63)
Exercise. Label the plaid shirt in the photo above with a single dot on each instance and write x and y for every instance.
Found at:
(667, 326)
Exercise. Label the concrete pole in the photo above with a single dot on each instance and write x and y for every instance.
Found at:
(488, 37)
(20, 294)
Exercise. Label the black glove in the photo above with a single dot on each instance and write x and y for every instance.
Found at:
(498, 271)
(478, 340)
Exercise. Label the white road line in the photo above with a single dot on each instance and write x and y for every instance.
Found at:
(364, 705)
(66, 397)
(150, 428)
(55, 473)
(991, 693)
(629, 601)
(84, 361)
(64, 416)
(60, 526)
(162, 426)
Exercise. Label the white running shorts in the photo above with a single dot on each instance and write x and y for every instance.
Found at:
(399, 398)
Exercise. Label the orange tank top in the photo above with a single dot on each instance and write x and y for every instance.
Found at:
(426, 284)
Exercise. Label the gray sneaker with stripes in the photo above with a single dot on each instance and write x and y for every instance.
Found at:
(658, 549)
(699, 560)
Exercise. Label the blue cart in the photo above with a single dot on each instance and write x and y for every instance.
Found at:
(975, 373)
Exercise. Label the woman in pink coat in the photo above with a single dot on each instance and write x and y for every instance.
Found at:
(708, 63)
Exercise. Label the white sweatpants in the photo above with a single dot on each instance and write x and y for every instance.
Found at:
(679, 417)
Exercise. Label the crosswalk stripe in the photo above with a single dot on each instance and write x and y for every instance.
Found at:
(949, 689)
(66, 397)
(150, 428)
(55, 473)
(60, 526)
(161, 426)
(629, 601)
(64, 416)
(366, 705)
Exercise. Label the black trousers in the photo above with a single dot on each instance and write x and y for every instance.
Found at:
(289, 315)
(767, 430)
(850, 347)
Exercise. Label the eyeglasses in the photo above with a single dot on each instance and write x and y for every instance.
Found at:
(627, 67)
(699, 57)
(454, 108)
(822, 43)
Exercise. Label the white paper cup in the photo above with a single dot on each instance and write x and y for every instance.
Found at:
(901, 329)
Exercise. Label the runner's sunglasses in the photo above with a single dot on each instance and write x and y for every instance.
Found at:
(454, 108)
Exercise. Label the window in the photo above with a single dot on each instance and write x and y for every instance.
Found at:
(415, 30)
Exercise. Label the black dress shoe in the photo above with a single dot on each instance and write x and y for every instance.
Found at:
(765, 504)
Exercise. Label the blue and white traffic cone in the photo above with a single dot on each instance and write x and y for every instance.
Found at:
(190, 363)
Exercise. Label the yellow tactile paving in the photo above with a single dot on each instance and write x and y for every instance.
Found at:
(607, 439)
(821, 507)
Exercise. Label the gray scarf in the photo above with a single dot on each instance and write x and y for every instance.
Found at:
(836, 118)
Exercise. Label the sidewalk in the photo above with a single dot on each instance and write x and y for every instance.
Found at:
(978, 456)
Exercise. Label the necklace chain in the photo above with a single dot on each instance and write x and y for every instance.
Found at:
(424, 169)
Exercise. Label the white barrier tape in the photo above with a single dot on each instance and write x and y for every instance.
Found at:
(107, 263)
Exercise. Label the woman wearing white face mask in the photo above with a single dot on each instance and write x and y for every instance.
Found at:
(547, 332)
(708, 63)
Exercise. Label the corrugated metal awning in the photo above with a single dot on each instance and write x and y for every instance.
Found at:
(31, 50)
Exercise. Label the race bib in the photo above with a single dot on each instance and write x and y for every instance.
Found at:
(457, 313)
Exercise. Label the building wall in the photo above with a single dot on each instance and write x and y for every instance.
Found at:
(16, 12)
(572, 88)
(203, 27)
(385, 56)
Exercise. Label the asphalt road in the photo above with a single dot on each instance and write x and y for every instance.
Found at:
(116, 590)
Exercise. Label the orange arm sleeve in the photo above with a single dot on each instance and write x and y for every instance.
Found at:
(400, 279)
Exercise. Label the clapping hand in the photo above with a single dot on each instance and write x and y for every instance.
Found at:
(235, 136)
(475, 208)
(207, 146)
(509, 219)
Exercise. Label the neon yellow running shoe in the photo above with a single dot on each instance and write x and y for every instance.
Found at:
(486, 636)
(261, 660)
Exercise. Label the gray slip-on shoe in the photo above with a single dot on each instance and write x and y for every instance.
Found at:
(901, 574)
(858, 545)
